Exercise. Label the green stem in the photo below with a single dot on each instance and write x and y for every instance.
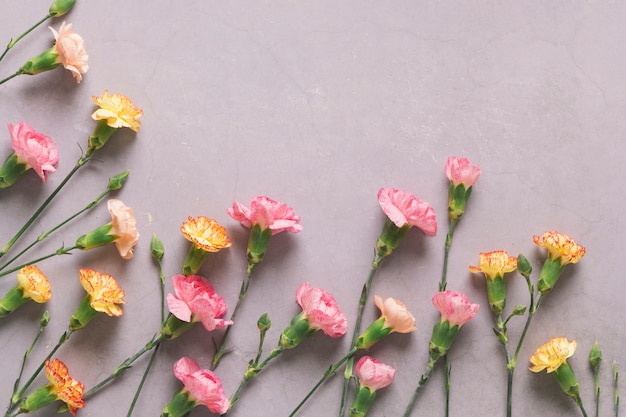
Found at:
(41, 208)
(580, 404)
(444, 271)
(447, 371)
(355, 334)
(142, 382)
(420, 385)
(13, 42)
(126, 364)
(242, 295)
(15, 74)
(61, 251)
(57, 227)
(596, 378)
(250, 373)
(616, 388)
(42, 325)
(64, 338)
(330, 372)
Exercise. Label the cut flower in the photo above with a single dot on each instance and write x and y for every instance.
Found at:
(117, 110)
(456, 310)
(552, 355)
(206, 235)
(461, 171)
(494, 265)
(32, 284)
(104, 295)
(394, 318)
(403, 208)
(373, 376)
(194, 300)
(61, 386)
(70, 47)
(268, 214)
(562, 250)
(201, 386)
(32, 150)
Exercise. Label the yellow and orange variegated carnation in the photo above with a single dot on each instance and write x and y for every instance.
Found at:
(66, 388)
(560, 246)
(104, 293)
(495, 263)
(118, 111)
(552, 355)
(34, 284)
(206, 234)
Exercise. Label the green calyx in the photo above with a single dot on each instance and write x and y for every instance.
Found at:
(496, 293)
(375, 332)
(550, 273)
(258, 242)
(389, 239)
(11, 170)
(83, 314)
(567, 380)
(96, 238)
(45, 61)
(457, 200)
(194, 260)
(298, 330)
(363, 399)
(40, 398)
(442, 338)
(174, 327)
(180, 405)
(100, 136)
(12, 300)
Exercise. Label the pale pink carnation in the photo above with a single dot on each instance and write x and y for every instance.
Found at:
(461, 171)
(34, 149)
(267, 213)
(396, 315)
(71, 49)
(203, 386)
(196, 301)
(404, 208)
(455, 307)
(124, 227)
(374, 374)
(320, 309)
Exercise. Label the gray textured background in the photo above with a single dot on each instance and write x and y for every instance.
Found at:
(319, 104)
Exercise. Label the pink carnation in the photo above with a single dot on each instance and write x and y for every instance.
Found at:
(196, 301)
(34, 149)
(268, 214)
(320, 309)
(374, 374)
(124, 227)
(203, 386)
(461, 171)
(454, 307)
(404, 208)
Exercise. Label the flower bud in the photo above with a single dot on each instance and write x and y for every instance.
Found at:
(523, 266)
(60, 7)
(156, 248)
(595, 355)
(264, 322)
(117, 182)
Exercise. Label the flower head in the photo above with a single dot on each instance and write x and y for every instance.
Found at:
(67, 389)
(124, 227)
(201, 386)
(105, 295)
(374, 374)
(61, 386)
(494, 264)
(34, 284)
(70, 47)
(395, 314)
(454, 307)
(194, 300)
(118, 111)
(552, 355)
(404, 208)
(268, 214)
(205, 233)
(34, 149)
(560, 247)
(461, 171)
(321, 310)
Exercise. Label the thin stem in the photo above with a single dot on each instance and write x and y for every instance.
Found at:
(57, 227)
(61, 251)
(64, 338)
(250, 373)
(422, 382)
(42, 325)
(143, 380)
(330, 372)
(529, 318)
(444, 271)
(41, 208)
(242, 295)
(125, 365)
(580, 404)
(15, 74)
(596, 377)
(355, 334)
(447, 373)
(12, 42)
(616, 388)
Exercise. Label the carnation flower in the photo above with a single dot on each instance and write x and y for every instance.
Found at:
(71, 49)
